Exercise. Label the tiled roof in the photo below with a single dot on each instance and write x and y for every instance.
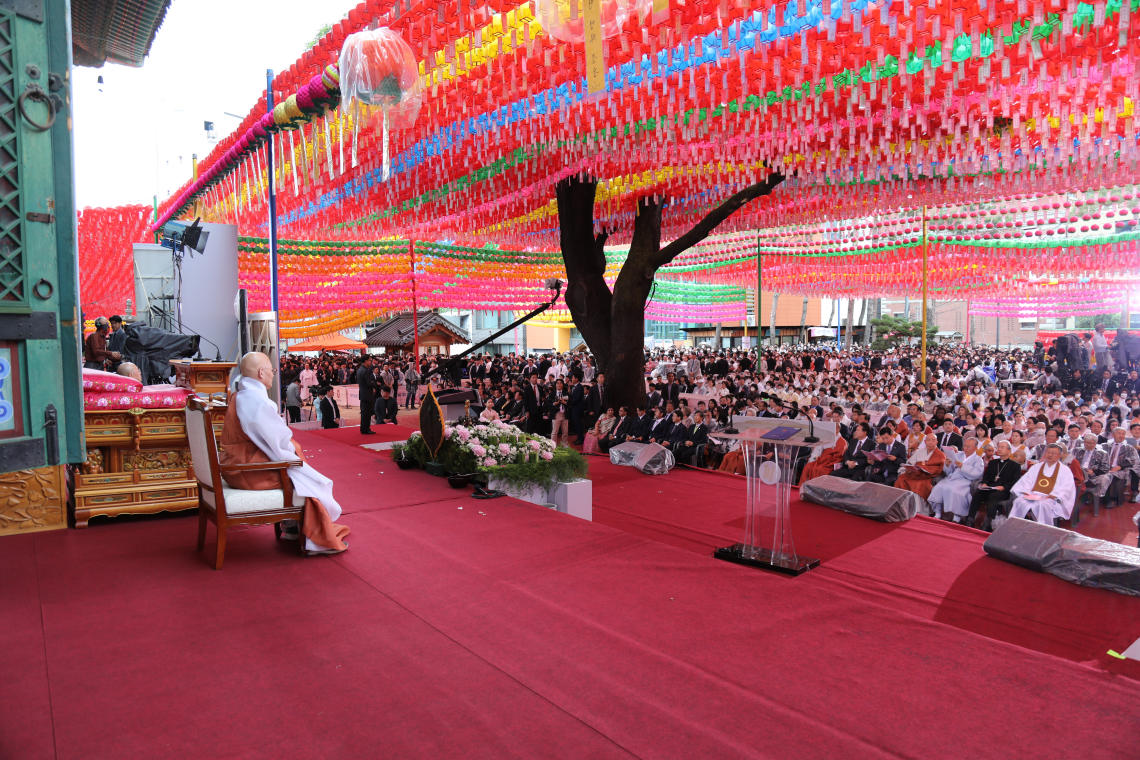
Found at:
(397, 331)
(119, 31)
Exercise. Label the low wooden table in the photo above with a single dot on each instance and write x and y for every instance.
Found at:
(138, 462)
(203, 378)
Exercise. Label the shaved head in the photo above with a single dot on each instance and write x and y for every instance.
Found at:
(257, 366)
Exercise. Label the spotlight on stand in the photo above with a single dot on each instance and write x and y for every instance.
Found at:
(178, 236)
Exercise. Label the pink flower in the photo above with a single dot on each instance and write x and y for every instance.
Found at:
(447, 432)
(489, 462)
(464, 433)
(504, 448)
(478, 450)
(547, 455)
(535, 445)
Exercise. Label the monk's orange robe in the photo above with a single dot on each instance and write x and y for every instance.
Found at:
(921, 482)
(825, 463)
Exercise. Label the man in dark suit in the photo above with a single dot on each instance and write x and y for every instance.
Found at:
(853, 466)
(386, 407)
(698, 434)
(1001, 474)
(660, 427)
(1106, 385)
(544, 366)
(947, 436)
(836, 416)
(366, 387)
(887, 471)
(330, 410)
(577, 408)
(532, 398)
(720, 366)
(642, 422)
(597, 401)
(619, 432)
(677, 432)
(653, 399)
(671, 391)
(515, 410)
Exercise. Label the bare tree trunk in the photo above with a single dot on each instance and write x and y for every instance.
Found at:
(831, 315)
(847, 339)
(772, 321)
(803, 322)
(863, 321)
(613, 323)
(716, 337)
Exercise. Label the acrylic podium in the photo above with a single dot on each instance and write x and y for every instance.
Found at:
(770, 467)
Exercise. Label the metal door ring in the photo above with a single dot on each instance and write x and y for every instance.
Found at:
(36, 93)
(37, 289)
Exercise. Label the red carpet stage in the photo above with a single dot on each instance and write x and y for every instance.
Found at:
(925, 567)
(494, 629)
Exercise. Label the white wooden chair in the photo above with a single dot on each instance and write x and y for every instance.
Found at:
(225, 506)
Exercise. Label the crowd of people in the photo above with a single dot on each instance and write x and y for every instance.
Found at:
(948, 438)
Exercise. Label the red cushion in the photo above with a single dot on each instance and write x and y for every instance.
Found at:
(101, 382)
(150, 397)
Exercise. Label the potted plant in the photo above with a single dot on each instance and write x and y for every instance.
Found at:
(403, 460)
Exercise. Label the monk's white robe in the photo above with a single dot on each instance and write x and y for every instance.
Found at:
(953, 491)
(263, 424)
(1064, 494)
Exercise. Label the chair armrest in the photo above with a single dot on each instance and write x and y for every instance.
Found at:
(255, 466)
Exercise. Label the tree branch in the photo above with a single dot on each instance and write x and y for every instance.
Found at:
(704, 228)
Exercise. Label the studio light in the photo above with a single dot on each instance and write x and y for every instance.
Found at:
(178, 236)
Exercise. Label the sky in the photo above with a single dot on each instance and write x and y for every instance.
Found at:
(135, 133)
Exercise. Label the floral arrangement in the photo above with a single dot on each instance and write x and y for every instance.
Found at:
(502, 451)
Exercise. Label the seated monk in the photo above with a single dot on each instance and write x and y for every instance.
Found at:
(127, 369)
(255, 432)
(733, 462)
(825, 463)
(926, 463)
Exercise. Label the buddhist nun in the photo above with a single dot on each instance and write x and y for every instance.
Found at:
(1047, 490)
(255, 432)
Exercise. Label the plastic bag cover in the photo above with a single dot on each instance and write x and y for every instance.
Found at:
(1070, 556)
(378, 68)
(152, 348)
(873, 500)
(1026, 543)
(1097, 563)
(650, 458)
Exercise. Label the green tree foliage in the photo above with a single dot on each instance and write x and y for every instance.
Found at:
(1111, 321)
(317, 37)
(891, 332)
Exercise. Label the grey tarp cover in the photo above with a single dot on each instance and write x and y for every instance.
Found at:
(650, 458)
(1070, 556)
(152, 348)
(873, 500)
